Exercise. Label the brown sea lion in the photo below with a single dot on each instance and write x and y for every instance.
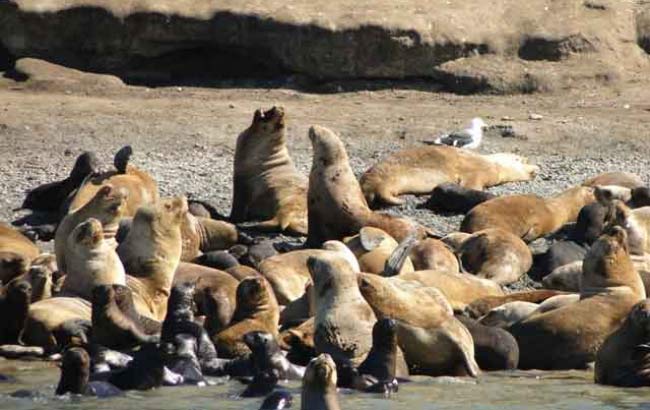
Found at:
(372, 248)
(16, 253)
(107, 206)
(151, 253)
(566, 277)
(640, 197)
(625, 179)
(319, 385)
(508, 314)
(570, 336)
(425, 324)
(51, 196)
(433, 254)
(299, 342)
(497, 255)
(111, 327)
(337, 207)
(14, 305)
(91, 260)
(636, 223)
(47, 316)
(482, 306)
(419, 170)
(256, 309)
(624, 357)
(205, 235)
(40, 279)
(140, 187)
(344, 320)
(267, 187)
(528, 216)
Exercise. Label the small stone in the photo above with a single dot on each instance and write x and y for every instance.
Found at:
(231, 105)
(507, 118)
(535, 117)
(626, 106)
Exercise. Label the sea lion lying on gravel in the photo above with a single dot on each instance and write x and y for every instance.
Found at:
(569, 337)
(528, 216)
(433, 254)
(151, 253)
(624, 179)
(451, 198)
(16, 253)
(267, 186)
(419, 170)
(337, 207)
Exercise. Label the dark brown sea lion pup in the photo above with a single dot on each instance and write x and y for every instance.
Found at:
(267, 187)
(319, 385)
(75, 376)
(146, 370)
(256, 309)
(528, 216)
(419, 170)
(624, 358)
(337, 207)
(381, 362)
(51, 196)
(14, 305)
(451, 198)
(494, 348)
(640, 197)
(569, 337)
(266, 355)
(16, 253)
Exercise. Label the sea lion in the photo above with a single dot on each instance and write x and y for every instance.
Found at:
(433, 254)
(559, 254)
(373, 247)
(299, 342)
(16, 253)
(494, 348)
(266, 355)
(557, 302)
(181, 359)
(337, 299)
(640, 197)
(288, 273)
(75, 376)
(497, 255)
(636, 223)
(624, 179)
(90, 260)
(451, 198)
(47, 316)
(267, 186)
(51, 196)
(140, 187)
(205, 235)
(40, 279)
(623, 358)
(256, 309)
(570, 336)
(381, 362)
(482, 306)
(419, 170)
(107, 206)
(336, 205)
(151, 253)
(277, 400)
(508, 314)
(425, 324)
(146, 370)
(319, 385)
(566, 277)
(528, 216)
(221, 260)
(14, 305)
(110, 326)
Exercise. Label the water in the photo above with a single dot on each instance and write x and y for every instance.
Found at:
(573, 390)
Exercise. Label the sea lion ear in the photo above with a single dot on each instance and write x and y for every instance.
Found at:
(370, 238)
(105, 190)
(604, 196)
(258, 116)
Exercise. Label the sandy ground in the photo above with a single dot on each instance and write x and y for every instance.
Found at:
(185, 136)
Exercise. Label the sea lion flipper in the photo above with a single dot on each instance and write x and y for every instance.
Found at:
(396, 259)
(121, 159)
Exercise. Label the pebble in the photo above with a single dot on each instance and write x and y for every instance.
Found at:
(535, 117)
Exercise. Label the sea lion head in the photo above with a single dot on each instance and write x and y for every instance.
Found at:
(328, 148)
(182, 297)
(591, 222)
(19, 292)
(640, 197)
(88, 234)
(161, 220)
(13, 264)
(372, 287)
(75, 371)
(86, 164)
(639, 316)
(268, 122)
(320, 373)
(331, 273)
(102, 295)
(261, 343)
(252, 295)
(109, 204)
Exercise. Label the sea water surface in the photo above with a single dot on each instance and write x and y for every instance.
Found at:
(530, 390)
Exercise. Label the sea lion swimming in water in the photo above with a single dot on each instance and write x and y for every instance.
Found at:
(75, 376)
(319, 385)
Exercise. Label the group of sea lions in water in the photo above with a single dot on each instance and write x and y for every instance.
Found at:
(144, 291)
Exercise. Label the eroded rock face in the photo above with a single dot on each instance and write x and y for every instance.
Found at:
(167, 41)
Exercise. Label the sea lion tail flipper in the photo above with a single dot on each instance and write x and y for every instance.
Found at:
(396, 259)
(121, 159)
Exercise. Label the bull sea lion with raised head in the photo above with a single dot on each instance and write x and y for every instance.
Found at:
(267, 187)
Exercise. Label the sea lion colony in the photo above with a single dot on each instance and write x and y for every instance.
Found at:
(145, 291)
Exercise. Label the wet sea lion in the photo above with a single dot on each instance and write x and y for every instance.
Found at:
(373, 247)
(75, 376)
(528, 216)
(337, 299)
(151, 253)
(497, 255)
(419, 170)
(267, 187)
(381, 362)
(266, 355)
(451, 198)
(146, 370)
(623, 359)
(433, 254)
(16, 253)
(181, 358)
(494, 348)
(14, 305)
(51, 196)
(107, 206)
(278, 400)
(569, 337)
(110, 326)
(256, 309)
(140, 188)
(91, 260)
(319, 385)
(625, 179)
(336, 205)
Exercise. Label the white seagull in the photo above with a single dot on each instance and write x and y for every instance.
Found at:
(468, 138)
